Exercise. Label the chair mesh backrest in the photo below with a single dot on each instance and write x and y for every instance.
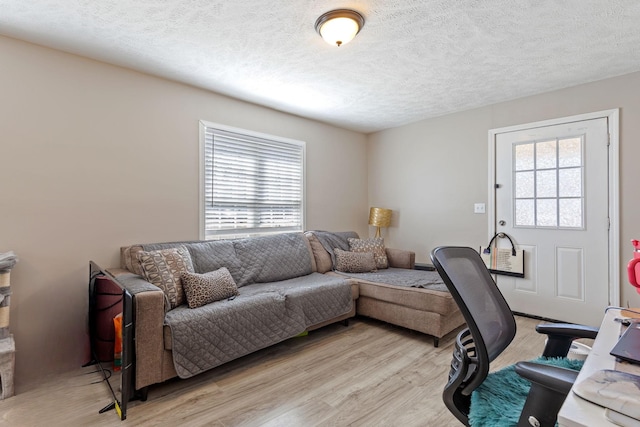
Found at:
(484, 308)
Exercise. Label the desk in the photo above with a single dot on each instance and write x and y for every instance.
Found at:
(577, 412)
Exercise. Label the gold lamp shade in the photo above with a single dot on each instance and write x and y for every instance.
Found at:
(379, 217)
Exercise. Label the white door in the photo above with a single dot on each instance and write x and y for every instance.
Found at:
(552, 198)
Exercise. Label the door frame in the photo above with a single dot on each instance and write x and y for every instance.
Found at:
(613, 118)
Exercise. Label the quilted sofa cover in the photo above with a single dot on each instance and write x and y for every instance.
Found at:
(285, 276)
(260, 316)
(279, 297)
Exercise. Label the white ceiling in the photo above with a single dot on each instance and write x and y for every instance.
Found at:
(414, 59)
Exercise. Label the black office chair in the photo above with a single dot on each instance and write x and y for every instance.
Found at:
(490, 329)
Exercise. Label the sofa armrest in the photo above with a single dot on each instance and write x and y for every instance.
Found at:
(132, 282)
(400, 258)
(148, 315)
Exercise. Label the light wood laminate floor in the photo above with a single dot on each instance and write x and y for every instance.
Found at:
(366, 374)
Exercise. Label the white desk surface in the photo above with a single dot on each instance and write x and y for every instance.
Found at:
(577, 412)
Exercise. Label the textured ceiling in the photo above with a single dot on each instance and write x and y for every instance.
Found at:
(414, 59)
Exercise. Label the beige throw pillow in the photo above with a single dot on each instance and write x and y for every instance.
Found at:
(202, 289)
(375, 245)
(354, 262)
(322, 257)
(163, 268)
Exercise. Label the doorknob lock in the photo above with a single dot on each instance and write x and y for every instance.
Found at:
(502, 222)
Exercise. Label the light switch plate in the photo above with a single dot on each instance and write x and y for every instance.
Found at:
(479, 208)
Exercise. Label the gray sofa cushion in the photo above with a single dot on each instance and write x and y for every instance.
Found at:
(289, 256)
(402, 277)
(317, 296)
(157, 246)
(261, 315)
(216, 333)
(213, 255)
(273, 258)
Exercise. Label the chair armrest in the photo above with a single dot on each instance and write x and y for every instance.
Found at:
(549, 388)
(561, 335)
(552, 377)
(568, 329)
(399, 258)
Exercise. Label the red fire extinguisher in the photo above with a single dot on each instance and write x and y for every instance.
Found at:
(633, 268)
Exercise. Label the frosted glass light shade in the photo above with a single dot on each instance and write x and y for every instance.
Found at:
(339, 27)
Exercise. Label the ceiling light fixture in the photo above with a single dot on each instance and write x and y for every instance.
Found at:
(340, 26)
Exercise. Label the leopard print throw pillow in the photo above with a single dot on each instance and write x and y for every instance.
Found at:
(202, 289)
(354, 262)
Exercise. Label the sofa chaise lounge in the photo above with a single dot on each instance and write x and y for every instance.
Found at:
(281, 286)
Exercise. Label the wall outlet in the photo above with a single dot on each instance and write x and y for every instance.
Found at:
(479, 208)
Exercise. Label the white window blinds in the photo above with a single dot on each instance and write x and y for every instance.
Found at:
(252, 183)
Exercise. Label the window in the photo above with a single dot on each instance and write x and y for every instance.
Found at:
(251, 183)
(548, 183)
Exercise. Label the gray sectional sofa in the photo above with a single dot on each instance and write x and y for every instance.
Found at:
(285, 286)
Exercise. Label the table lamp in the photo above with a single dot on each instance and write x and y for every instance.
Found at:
(379, 217)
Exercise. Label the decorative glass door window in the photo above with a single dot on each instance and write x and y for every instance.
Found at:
(548, 183)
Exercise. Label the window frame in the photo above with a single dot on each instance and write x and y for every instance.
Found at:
(206, 127)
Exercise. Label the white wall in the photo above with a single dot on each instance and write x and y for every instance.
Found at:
(94, 157)
(433, 171)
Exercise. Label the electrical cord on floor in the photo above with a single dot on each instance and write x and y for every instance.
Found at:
(105, 377)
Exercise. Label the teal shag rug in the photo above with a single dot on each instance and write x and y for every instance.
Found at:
(499, 400)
